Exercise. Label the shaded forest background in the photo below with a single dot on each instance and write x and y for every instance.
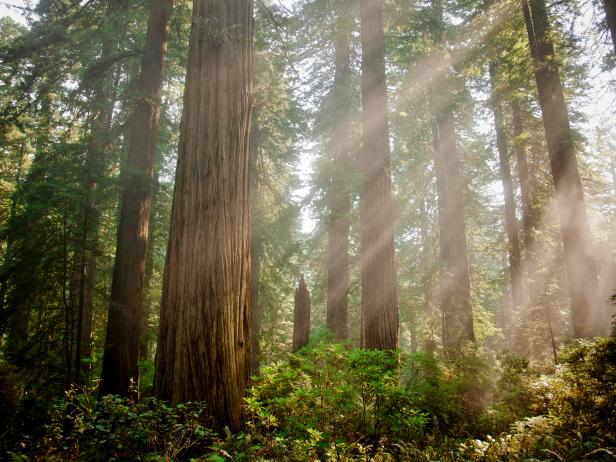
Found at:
(494, 294)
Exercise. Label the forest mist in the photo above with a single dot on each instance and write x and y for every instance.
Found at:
(308, 230)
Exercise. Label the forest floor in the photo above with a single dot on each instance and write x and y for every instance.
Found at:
(332, 403)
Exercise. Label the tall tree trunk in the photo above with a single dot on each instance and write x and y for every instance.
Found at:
(255, 250)
(340, 201)
(427, 273)
(527, 181)
(378, 273)
(121, 357)
(588, 314)
(145, 349)
(530, 223)
(456, 288)
(86, 245)
(610, 16)
(204, 340)
(455, 278)
(511, 222)
(301, 316)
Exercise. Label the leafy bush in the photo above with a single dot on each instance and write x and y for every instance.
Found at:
(113, 428)
(579, 420)
(329, 398)
(454, 393)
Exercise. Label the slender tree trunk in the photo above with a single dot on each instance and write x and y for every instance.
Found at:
(86, 246)
(301, 316)
(588, 315)
(610, 16)
(456, 288)
(527, 184)
(340, 201)
(378, 273)
(204, 340)
(121, 357)
(255, 250)
(427, 273)
(511, 222)
(145, 349)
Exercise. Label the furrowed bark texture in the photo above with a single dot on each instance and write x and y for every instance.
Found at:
(204, 339)
(511, 222)
(610, 16)
(121, 356)
(378, 273)
(301, 316)
(589, 317)
(455, 279)
(255, 251)
(340, 200)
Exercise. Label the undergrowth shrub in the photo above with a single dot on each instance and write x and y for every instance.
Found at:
(357, 399)
(579, 412)
(83, 427)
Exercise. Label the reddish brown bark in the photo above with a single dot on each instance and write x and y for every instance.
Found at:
(255, 252)
(588, 313)
(301, 316)
(204, 337)
(378, 273)
(121, 356)
(340, 200)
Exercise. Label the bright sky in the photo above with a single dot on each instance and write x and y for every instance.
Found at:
(7, 8)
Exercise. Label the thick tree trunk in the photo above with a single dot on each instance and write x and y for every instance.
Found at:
(511, 222)
(121, 357)
(610, 16)
(204, 340)
(589, 317)
(301, 316)
(455, 278)
(378, 273)
(340, 201)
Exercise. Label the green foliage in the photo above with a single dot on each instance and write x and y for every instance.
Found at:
(329, 396)
(82, 427)
(578, 419)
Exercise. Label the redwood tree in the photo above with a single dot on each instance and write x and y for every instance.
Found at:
(204, 337)
(378, 273)
(340, 200)
(121, 357)
(588, 316)
(455, 278)
(511, 222)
